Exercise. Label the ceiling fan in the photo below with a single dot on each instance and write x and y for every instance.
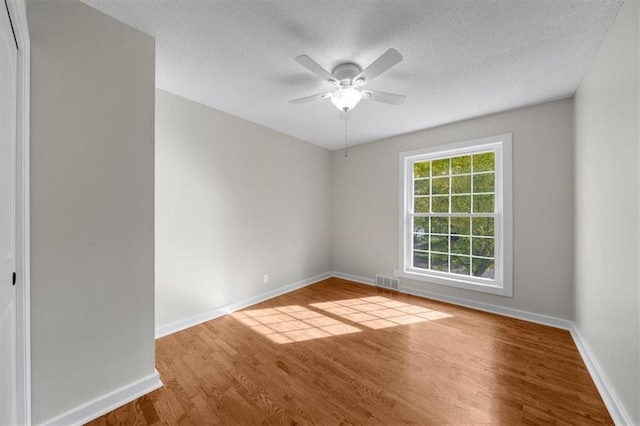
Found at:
(347, 77)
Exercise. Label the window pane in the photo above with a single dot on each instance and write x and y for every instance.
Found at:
(460, 245)
(421, 169)
(461, 184)
(484, 162)
(439, 262)
(490, 272)
(441, 185)
(483, 183)
(483, 247)
(439, 225)
(482, 267)
(483, 204)
(461, 265)
(460, 203)
(421, 187)
(440, 243)
(421, 241)
(482, 226)
(441, 204)
(440, 167)
(460, 225)
(461, 165)
(421, 204)
(421, 224)
(420, 260)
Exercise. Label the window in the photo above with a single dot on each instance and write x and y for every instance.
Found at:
(456, 215)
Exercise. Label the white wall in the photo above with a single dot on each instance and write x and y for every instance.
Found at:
(92, 132)
(234, 201)
(606, 208)
(365, 205)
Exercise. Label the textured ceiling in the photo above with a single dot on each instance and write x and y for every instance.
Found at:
(462, 58)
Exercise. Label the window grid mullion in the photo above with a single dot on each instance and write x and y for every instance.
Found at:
(471, 224)
(429, 237)
(430, 188)
(455, 214)
(430, 209)
(449, 222)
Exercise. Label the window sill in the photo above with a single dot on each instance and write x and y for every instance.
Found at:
(492, 288)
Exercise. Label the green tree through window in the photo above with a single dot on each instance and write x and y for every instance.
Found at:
(459, 185)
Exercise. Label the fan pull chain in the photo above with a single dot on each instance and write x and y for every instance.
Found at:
(346, 152)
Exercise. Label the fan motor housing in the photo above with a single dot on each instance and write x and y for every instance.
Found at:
(347, 71)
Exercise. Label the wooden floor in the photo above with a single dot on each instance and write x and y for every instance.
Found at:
(343, 353)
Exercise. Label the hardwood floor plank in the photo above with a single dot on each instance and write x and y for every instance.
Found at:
(340, 353)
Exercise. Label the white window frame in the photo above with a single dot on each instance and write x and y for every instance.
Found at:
(502, 284)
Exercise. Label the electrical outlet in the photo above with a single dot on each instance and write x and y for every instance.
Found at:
(396, 273)
(266, 278)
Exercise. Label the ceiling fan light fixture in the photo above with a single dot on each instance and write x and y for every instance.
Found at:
(348, 76)
(346, 98)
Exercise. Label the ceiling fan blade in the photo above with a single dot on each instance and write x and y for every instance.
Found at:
(380, 65)
(384, 97)
(313, 66)
(309, 98)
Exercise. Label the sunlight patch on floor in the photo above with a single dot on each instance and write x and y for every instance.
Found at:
(295, 323)
(379, 312)
(286, 324)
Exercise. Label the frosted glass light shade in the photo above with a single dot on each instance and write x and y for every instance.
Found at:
(345, 99)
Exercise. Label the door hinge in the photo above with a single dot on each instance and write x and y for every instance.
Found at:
(14, 278)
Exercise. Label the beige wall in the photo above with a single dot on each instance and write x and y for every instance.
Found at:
(606, 208)
(92, 131)
(234, 201)
(366, 195)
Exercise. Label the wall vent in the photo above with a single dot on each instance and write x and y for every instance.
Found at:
(387, 282)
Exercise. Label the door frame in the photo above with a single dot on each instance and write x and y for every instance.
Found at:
(18, 13)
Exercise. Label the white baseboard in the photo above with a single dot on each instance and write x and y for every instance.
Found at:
(494, 309)
(614, 405)
(227, 309)
(108, 402)
(480, 306)
(616, 409)
(354, 278)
